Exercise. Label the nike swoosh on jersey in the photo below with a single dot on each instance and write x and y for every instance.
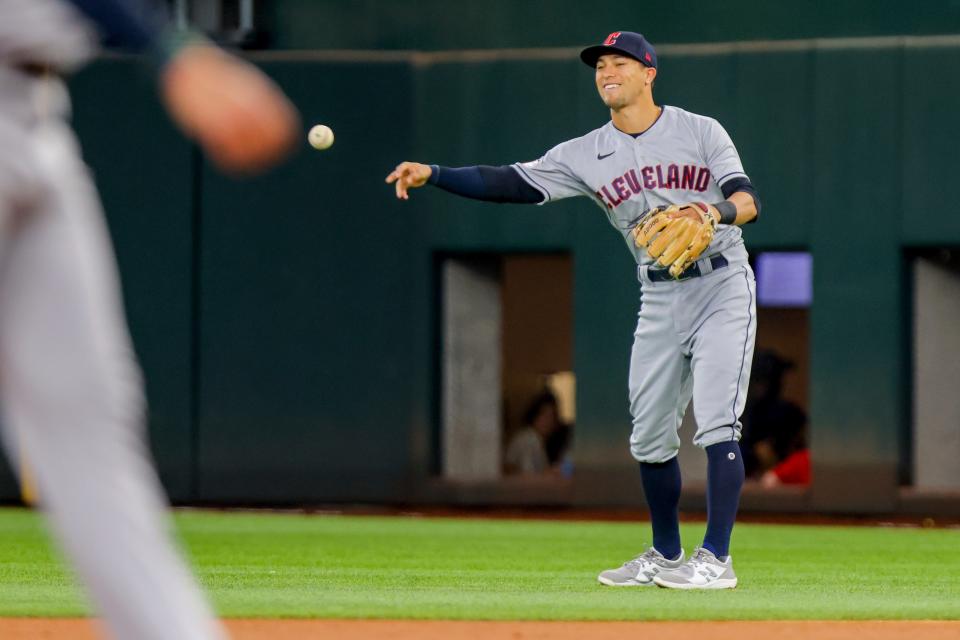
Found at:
(601, 156)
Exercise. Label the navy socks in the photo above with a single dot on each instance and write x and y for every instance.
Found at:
(724, 482)
(661, 486)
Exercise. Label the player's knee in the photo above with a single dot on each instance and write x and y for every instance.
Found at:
(67, 396)
(653, 451)
(716, 435)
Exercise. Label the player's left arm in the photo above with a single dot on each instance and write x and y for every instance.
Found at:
(241, 119)
(134, 25)
(741, 204)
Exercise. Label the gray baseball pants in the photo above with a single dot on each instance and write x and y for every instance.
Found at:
(694, 339)
(70, 387)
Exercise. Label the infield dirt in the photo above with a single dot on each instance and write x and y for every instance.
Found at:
(265, 629)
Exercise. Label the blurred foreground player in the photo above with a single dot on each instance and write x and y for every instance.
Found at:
(70, 388)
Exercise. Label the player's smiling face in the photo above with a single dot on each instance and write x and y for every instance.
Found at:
(621, 80)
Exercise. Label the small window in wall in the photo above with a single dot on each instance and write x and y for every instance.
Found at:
(784, 279)
(508, 387)
(775, 419)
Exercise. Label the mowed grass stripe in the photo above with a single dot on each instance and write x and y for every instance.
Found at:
(285, 565)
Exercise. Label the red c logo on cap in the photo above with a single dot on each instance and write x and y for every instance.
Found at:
(647, 56)
(612, 38)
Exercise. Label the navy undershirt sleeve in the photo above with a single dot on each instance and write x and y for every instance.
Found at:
(133, 25)
(491, 184)
(730, 187)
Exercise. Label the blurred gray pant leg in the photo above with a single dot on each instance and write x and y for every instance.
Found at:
(72, 394)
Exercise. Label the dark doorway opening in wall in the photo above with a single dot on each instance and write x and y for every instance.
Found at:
(507, 391)
(775, 441)
(932, 443)
(775, 419)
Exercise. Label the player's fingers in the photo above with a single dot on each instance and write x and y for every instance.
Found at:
(650, 230)
(397, 173)
(406, 176)
(401, 189)
(669, 237)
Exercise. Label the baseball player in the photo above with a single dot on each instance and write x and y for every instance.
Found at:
(70, 388)
(672, 184)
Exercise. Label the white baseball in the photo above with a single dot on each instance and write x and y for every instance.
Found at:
(320, 137)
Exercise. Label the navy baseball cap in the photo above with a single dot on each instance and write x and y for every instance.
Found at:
(627, 43)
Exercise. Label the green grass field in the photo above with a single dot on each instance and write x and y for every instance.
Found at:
(277, 565)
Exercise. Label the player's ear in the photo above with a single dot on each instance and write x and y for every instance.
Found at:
(651, 74)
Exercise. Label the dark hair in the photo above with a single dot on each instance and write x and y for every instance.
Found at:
(542, 399)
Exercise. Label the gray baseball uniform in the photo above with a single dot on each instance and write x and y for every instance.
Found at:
(695, 337)
(71, 391)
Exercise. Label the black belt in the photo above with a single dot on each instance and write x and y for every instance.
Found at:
(693, 271)
(34, 69)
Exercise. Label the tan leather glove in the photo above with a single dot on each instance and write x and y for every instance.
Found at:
(677, 235)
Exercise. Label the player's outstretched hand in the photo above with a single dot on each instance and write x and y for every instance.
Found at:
(693, 210)
(240, 118)
(409, 175)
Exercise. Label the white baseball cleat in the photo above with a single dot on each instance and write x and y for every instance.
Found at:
(640, 571)
(702, 571)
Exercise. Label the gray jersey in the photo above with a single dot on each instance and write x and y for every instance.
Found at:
(47, 32)
(36, 32)
(683, 157)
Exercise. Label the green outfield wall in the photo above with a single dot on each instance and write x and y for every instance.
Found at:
(287, 324)
(484, 24)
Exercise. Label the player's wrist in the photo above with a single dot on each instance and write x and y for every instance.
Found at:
(434, 176)
(172, 42)
(727, 211)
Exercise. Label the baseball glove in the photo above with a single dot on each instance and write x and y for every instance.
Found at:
(675, 236)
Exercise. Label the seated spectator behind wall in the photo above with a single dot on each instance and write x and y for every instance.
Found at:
(794, 470)
(541, 445)
(774, 428)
